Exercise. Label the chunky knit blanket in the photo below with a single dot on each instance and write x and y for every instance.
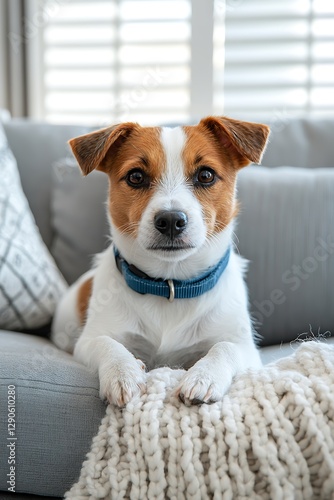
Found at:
(272, 437)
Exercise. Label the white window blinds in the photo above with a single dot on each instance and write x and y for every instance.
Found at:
(164, 61)
(279, 58)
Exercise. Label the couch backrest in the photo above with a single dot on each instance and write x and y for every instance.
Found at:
(301, 142)
(38, 145)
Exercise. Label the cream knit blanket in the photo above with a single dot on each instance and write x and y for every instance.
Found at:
(272, 437)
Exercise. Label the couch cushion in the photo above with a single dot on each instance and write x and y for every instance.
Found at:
(30, 283)
(58, 411)
(286, 230)
(79, 217)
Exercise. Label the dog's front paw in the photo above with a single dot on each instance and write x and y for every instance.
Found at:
(122, 381)
(199, 385)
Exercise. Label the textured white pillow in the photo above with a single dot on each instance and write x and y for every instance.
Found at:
(30, 283)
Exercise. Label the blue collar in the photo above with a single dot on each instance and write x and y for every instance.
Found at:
(171, 289)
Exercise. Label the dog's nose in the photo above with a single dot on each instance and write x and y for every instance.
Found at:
(170, 222)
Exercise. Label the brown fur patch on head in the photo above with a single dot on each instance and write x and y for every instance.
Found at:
(142, 150)
(224, 145)
(83, 298)
(116, 150)
(217, 200)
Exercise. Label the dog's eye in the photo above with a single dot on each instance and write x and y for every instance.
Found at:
(137, 178)
(205, 176)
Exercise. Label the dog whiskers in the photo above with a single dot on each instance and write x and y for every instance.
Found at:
(235, 244)
(128, 227)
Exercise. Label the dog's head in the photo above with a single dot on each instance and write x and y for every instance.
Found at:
(172, 190)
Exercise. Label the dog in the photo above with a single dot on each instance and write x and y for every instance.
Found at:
(169, 290)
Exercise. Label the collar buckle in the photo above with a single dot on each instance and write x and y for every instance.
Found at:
(171, 290)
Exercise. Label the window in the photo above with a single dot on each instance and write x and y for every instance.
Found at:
(165, 61)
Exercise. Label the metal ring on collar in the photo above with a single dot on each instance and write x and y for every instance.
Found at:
(171, 290)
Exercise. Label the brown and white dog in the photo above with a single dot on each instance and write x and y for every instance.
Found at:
(172, 206)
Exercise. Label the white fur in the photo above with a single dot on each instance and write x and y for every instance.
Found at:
(211, 335)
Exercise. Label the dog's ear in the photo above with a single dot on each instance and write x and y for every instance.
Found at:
(245, 139)
(91, 149)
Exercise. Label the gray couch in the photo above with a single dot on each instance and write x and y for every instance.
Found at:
(285, 229)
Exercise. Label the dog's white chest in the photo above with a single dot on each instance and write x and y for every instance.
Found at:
(160, 332)
(160, 327)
